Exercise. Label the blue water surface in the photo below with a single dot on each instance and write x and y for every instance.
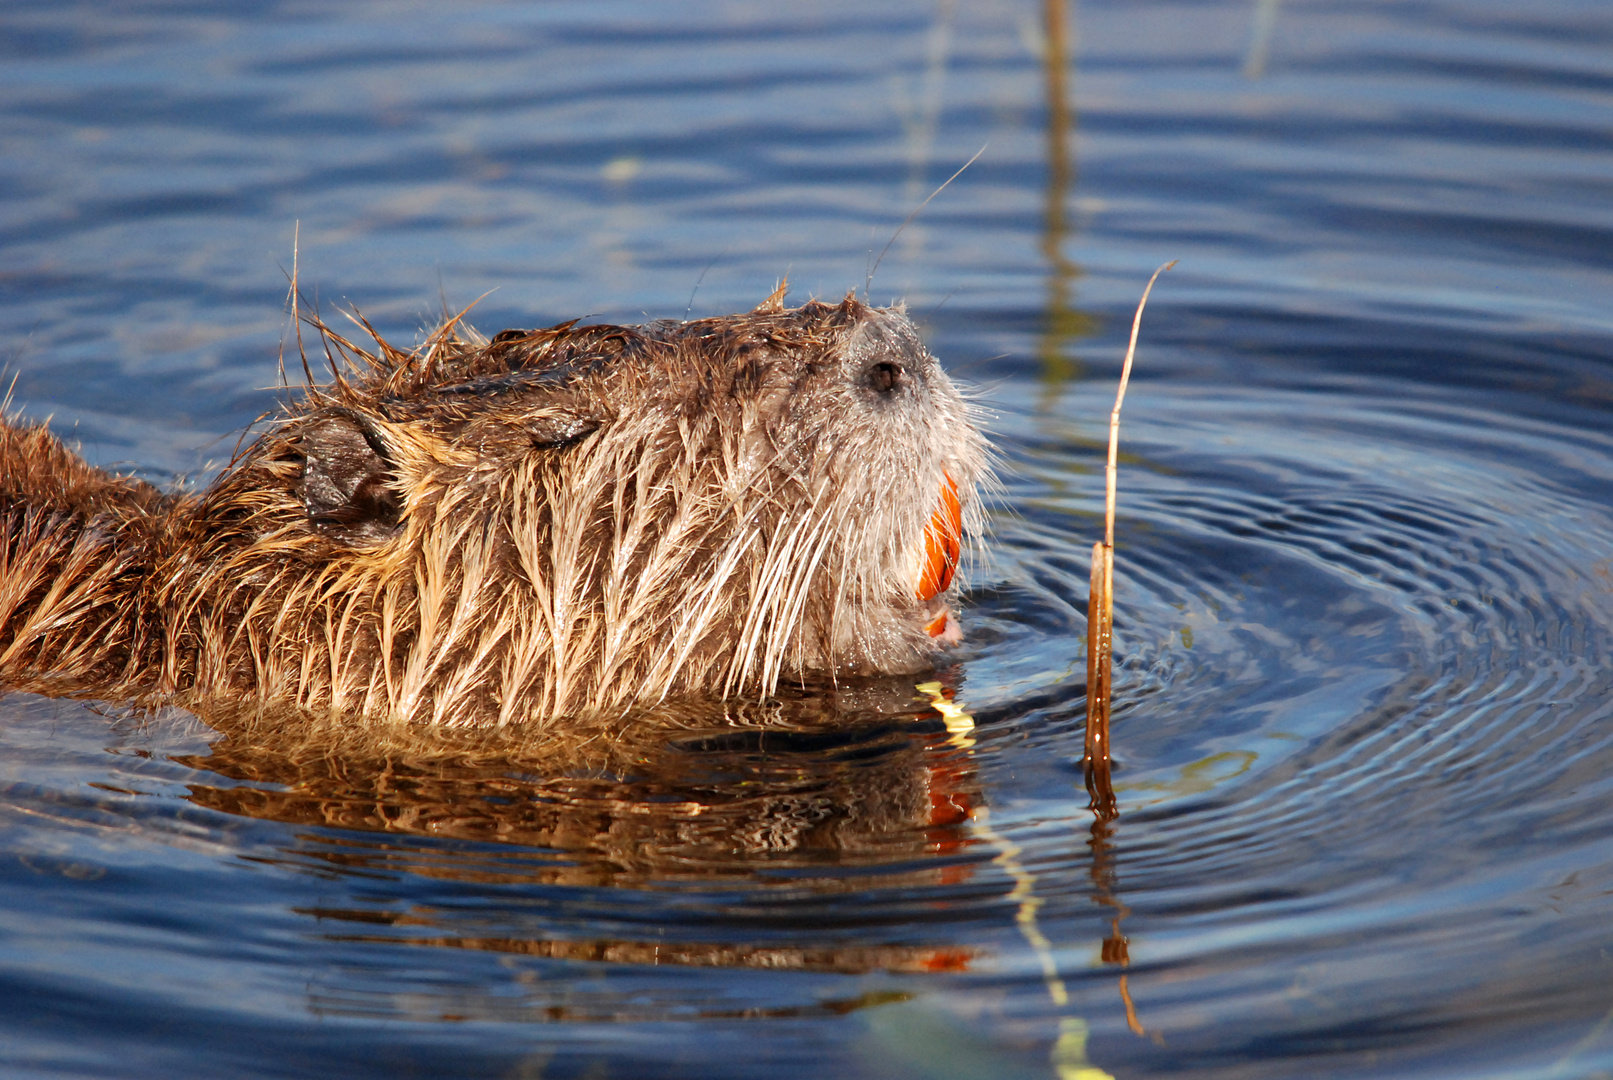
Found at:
(1364, 718)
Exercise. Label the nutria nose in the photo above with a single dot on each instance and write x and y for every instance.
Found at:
(883, 377)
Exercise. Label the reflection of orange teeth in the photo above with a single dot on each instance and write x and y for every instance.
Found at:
(947, 960)
(943, 544)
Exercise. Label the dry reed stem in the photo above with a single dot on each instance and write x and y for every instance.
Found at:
(1101, 601)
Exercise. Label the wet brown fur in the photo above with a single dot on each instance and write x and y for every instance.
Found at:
(561, 521)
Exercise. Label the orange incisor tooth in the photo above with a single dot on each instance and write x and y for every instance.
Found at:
(943, 542)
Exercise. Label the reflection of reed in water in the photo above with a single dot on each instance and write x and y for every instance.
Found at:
(1063, 322)
(920, 116)
(1265, 21)
(1116, 947)
(812, 786)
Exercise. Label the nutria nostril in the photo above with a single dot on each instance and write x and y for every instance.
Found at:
(883, 377)
(552, 521)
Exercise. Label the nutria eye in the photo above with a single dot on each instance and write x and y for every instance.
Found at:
(883, 377)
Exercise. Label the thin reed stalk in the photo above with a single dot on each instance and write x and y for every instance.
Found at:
(1101, 602)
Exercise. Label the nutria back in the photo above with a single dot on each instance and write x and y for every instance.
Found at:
(547, 523)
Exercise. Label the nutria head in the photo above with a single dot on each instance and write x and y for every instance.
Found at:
(584, 517)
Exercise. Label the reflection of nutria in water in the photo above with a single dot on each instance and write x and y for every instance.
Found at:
(839, 790)
(814, 779)
(552, 522)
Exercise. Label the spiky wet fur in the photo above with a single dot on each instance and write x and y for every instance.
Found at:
(556, 522)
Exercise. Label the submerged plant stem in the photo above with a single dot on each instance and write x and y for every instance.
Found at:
(1101, 601)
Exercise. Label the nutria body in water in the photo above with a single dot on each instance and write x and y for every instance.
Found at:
(551, 522)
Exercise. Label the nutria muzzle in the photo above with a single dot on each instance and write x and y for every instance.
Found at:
(549, 522)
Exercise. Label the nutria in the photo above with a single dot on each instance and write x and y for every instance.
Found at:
(545, 523)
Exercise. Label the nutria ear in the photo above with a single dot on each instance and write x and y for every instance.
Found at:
(346, 480)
